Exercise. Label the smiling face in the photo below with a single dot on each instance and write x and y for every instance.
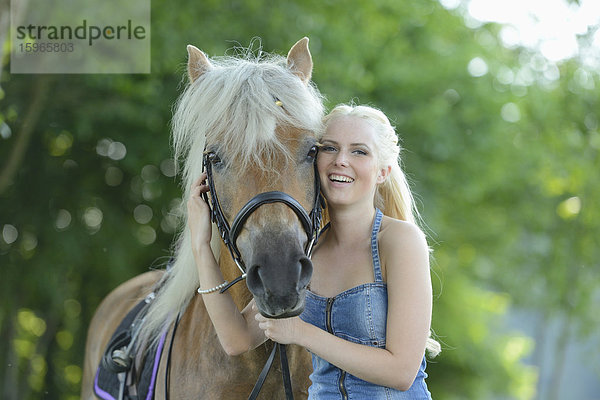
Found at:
(348, 162)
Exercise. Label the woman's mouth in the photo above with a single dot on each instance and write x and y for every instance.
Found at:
(340, 178)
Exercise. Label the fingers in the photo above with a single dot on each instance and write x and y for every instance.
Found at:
(265, 325)
(263, 322)
(257, 316)
(195, 202)
(274, 329)
(199, 186)
(279, 330)
(200, 179)
(269, 326)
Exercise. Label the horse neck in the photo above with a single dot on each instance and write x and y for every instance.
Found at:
(239, 292)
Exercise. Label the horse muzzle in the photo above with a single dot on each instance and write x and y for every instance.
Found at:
(278, 280)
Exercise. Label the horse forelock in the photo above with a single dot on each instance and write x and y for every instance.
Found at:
(233, 107)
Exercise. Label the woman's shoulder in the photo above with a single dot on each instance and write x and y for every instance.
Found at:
(394, 231)
(401, 240)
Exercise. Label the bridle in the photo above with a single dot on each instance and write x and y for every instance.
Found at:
(229, 233)
(311, 222)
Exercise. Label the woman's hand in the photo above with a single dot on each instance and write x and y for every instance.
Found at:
(199, 215)
(284, 330)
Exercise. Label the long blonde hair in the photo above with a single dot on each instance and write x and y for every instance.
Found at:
(393, 197)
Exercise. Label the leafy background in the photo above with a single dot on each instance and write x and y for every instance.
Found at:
(501, 146)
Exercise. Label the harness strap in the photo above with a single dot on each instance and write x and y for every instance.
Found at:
(233, 282)
(168, 366)
(268, 198)
(117, 357)
(285, 370)
(114, 359)
(263, 375)
(122, 378)
(287, 380)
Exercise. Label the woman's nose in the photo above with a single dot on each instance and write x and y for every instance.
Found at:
(341, 159)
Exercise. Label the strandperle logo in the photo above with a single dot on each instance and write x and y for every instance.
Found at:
(80, 37)
(84, 31)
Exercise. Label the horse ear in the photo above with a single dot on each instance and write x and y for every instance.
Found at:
(299, 60)
(197, 63)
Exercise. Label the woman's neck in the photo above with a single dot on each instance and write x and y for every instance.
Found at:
(350, 225)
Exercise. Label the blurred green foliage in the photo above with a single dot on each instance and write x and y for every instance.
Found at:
(501, 145)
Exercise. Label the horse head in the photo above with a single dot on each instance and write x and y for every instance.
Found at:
(260, 119)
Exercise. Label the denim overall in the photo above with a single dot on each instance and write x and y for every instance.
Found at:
(358, 315)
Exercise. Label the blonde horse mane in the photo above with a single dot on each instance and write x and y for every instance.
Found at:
(232, 106)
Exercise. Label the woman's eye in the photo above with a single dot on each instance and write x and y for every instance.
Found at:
(328, 148)
(360, 152)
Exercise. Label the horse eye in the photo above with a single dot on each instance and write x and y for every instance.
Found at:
(312, 153)
(214, 158)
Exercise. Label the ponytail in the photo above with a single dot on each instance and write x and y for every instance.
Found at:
(394, 198)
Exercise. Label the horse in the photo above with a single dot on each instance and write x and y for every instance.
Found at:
(254, 120)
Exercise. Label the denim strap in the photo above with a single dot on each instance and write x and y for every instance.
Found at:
(374, 247)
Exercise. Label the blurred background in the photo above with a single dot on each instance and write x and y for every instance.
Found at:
(497, 107)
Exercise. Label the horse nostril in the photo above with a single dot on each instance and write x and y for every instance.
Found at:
(305, 273)
(253, 280)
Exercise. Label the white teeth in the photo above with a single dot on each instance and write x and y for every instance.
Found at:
(340, 178)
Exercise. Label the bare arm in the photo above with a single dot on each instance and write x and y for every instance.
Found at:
(238, 331)
(409, 316)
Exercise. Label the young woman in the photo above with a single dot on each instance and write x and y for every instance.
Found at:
(368, 312)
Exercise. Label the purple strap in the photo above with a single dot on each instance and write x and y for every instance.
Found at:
(107, 396)
(156, 364)
(99, 392)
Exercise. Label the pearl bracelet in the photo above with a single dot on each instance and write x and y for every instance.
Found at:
(212, 290)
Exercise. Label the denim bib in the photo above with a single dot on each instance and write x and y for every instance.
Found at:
(358, 315)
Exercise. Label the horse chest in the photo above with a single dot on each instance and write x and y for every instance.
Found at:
(200, 369)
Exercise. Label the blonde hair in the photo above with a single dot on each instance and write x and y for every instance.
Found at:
(393, 197)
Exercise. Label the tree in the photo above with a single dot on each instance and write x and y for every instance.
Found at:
(504, 169)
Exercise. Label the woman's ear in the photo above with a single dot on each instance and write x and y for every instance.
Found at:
(383, 174)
